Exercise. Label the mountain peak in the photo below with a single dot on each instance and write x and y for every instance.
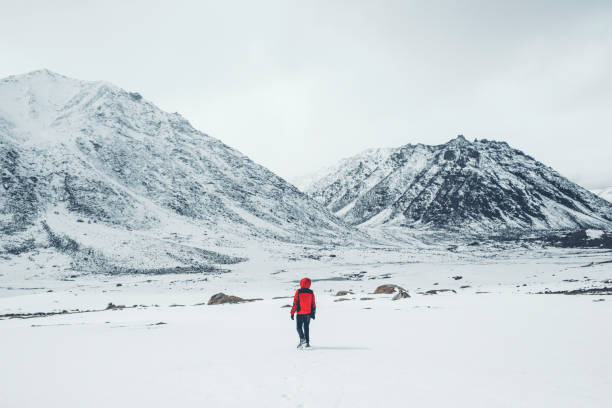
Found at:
(42, 104)
(42, 73)
(459, 140)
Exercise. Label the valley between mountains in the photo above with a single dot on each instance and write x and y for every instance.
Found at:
(119, 222)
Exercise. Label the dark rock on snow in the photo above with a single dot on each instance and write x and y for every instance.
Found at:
(112, 306)
(584, 291)
(436, 291)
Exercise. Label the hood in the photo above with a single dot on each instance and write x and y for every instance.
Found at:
(305, 283)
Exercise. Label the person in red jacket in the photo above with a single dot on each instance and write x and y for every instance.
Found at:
(304, 305)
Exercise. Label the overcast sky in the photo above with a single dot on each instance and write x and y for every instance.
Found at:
(297, 85)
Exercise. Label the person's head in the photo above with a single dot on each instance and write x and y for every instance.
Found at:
(305, 283)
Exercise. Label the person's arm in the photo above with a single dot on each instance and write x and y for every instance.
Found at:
(313, 307)
(296, 299)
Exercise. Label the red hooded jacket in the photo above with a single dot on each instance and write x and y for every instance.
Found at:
(304, 299)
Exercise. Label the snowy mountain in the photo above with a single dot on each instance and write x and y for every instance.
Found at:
(369, 158)
(103, 176)
(481, 186)
(605, 193)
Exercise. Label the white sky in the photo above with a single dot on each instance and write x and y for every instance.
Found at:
(297, 85)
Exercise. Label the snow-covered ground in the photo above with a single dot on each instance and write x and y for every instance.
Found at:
(493, 343)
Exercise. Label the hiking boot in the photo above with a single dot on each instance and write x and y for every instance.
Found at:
(302, 343)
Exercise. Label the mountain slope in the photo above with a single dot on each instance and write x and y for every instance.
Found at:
(605, 193)
(481, 185)
(77, 153)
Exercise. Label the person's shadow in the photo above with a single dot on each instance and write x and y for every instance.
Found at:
(338, 348)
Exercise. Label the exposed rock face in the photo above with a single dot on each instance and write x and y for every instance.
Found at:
(481, 185)
(77, 153)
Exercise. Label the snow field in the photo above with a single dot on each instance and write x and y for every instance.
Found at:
(507, 347)
(467, 350)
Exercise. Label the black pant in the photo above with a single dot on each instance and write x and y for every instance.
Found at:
(303, 322)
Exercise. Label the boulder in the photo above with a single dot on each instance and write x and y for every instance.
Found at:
(343, 293)
(112, 306)
(402, 294)
(388, 289)
(221, 298)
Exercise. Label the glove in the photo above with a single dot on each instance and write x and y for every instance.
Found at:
(291, 317)
(312, 316)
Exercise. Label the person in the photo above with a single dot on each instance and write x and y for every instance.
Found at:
(305, 306)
